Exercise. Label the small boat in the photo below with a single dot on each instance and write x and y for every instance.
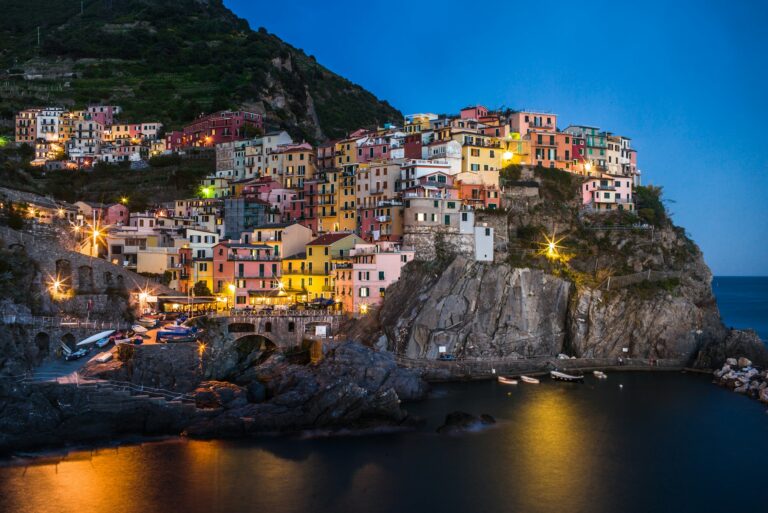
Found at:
(95, 338)
(177, 338)
(599, 374)
(103, 357)
(507, 381)
(562, 376)
(530, 380)
(103, 342)
(147, 321)
(138, 328)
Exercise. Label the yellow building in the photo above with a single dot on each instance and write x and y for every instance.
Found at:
(346, 199)
(309, 275)
(476, 157)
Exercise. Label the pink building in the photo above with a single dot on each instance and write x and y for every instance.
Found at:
(244, 272)
(476, 112)
(522, 122)
(104, 114)
(116, 214)
(608, 193)
(374, 149)
(174, 140)
(362, 283)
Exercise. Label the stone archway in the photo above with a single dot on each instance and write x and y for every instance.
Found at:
(43, 342)
(253, 348)
(69, 340)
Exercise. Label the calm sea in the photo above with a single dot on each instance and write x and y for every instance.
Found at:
(743, 302)
(636, 442)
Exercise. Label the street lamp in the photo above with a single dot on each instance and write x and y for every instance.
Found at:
(232, 290)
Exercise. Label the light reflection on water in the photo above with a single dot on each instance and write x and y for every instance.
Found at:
(664, 442)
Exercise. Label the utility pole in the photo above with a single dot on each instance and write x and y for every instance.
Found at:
(38, 35)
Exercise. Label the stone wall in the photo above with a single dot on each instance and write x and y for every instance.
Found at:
(82, 277)
(426, 240)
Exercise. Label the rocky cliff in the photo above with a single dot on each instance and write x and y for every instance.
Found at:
(618, 285)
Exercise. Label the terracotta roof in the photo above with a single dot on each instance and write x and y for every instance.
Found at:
(329, 238)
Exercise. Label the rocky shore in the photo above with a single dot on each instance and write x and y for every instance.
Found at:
(739, 375)
(353, 387)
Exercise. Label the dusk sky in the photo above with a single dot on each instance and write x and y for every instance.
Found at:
(685, 80)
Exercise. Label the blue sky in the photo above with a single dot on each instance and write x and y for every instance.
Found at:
(687, 81)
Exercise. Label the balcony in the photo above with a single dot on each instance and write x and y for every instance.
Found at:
(254, 258)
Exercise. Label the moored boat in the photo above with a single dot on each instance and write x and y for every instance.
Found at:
(95, 338)
(562, 376)
(507, 381)
(529, 380)
(138, 328)
(147, 321)
(599, 374)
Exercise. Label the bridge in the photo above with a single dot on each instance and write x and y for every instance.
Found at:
(283, 328)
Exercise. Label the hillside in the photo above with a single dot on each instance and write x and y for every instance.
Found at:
(170, 60)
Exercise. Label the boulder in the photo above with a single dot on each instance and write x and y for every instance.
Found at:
(459, 421)
(764, 395)
(220, 394)
(731, 362)
(744, 362)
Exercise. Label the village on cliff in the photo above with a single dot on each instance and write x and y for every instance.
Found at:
(284, 224)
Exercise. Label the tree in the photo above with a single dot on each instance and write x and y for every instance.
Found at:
(201, 289)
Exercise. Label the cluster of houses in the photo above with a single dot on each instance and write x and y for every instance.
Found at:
(64, 139)
(282, 222)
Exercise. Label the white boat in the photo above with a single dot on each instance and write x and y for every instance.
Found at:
(95, 338)
(507, 381)
(103, 357)
(562, 376)
(599, 374)
(530, 380)
(138, 328)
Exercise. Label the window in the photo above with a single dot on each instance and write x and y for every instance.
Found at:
(447, 220)
(363, 291)
(381, 275)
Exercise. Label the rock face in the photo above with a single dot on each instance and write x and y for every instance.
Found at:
(480, 310)
(352, 387)
(740, 348)
(601, 324)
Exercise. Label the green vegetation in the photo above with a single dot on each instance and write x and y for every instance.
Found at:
(556, 184)
(647, 289)
(649, 205)
(170, 60)
(166, 180)
(511, 173)
(201, 289)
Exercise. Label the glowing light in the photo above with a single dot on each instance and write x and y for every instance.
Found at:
(588, 166)
(124, 200)
(508, 155)
(201, 347)
(231, 288)
(551, 248)
(364, 308)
